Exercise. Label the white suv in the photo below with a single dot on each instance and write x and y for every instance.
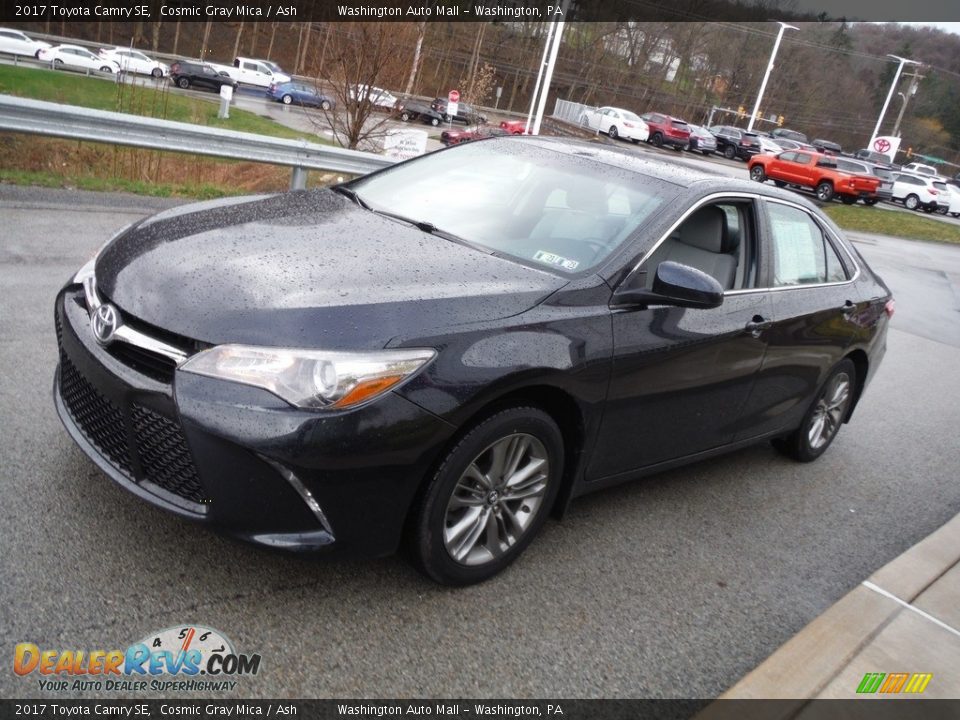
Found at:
(916, 192)
(920, 169)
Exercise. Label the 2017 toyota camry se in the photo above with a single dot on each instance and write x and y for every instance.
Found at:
(449, 350)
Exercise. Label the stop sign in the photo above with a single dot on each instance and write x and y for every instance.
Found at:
(453, 96)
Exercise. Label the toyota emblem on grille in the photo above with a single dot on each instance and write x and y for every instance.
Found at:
(104, 323)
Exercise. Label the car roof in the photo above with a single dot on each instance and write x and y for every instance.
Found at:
(676, 172)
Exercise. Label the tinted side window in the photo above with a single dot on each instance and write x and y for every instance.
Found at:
(789, 156)
(803, 158)
(802, 255)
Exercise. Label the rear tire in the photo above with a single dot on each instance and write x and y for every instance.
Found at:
(848, 199)
(325, 105)
(757, 174)
(822, 421)
(779, 183)
(286, 99)
(183, 83)
(157, 73)
(911, 202)
(469, 524)
(942, 209)
(825, 192)
(106, 69)
(434, 121)
(612, 132)
(870, 201)
(405, 116)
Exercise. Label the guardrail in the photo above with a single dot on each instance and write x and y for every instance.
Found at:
(78, 123)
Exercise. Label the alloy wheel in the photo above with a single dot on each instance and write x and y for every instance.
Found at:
(829, 411)
(496, 499)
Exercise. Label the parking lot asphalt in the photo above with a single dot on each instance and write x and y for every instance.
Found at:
(672, 586)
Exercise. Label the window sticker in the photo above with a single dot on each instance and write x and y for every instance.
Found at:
(554, 259)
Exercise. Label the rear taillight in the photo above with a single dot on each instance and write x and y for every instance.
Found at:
(934, 192)
(890, 308)
(629, 125)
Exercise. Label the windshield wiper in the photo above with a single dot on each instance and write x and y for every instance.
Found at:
(352, 194)
(430, 228)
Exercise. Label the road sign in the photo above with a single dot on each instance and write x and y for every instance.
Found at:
(453, 96)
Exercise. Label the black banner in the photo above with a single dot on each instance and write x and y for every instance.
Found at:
(475, 10)
(865, 709)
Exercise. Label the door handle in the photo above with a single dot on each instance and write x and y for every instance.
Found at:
(848, 307)
(757, 325)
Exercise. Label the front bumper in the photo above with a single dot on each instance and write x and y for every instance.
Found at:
(240, 459)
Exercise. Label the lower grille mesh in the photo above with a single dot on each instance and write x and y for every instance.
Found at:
(164, 454)
(99, 419)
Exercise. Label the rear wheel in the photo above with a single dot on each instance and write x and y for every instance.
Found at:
(848, 199)
(870, 201)
(822, 421)
(779, 183)
(612, 132)
(106, 69)
(405, 116)
(757, 173)
(928, 209)
(942, 209)
(912, 202)
(183, 83)
(434, 121)
(707, 152)
(58, 63)
(325, 105)
(825, 192)
(489, 497)
(157, 73)
(286, 99)
(729, 152)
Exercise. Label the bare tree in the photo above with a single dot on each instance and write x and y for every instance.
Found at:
(417, 56)
(361, 57)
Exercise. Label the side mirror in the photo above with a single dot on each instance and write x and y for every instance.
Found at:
(675, 284)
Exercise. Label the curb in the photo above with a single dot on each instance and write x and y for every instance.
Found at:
(806, 663)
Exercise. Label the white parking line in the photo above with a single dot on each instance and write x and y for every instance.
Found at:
(928, 616)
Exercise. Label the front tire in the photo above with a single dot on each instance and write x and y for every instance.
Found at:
(489, 497)
(729, 152)
(779, 183)
(657, 140)
(757, 174)
(106, 69)
(870, 201)
(828, 411)
(825, 192)
(612, 132)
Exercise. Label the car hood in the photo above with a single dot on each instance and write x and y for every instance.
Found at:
(309, 269)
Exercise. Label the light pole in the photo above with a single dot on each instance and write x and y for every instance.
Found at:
(766, 76)
(893, 87)
(914, 82)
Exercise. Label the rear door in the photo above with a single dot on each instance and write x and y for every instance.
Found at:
(810, 280)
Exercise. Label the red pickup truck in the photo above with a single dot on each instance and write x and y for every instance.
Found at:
(816, 171)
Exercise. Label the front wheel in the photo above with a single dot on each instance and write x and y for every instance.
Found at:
(657, 140)
(870, 201)
(942, 209)
(822, 421)
(729, 152)
(612, 132)
(757, 173)
(434, 121)
(825, 192)
(488, 499)
(405, 116)
(779, 183)
(106, 69)
(325, 105)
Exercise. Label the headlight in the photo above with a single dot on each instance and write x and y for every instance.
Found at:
(312, 378)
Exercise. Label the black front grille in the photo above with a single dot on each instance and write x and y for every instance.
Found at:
(154, 365)
(164, 455)
(99, 420)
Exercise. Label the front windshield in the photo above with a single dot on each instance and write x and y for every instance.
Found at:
(549, 209)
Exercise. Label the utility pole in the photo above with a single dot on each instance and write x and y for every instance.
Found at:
(916, 77)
